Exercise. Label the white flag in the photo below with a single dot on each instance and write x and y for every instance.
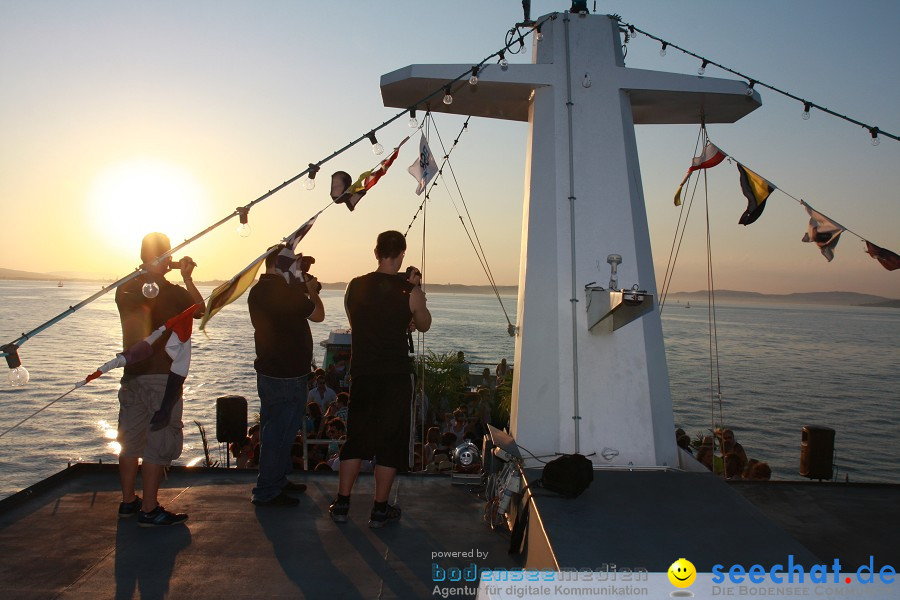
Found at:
(824, 232)
(425, 168)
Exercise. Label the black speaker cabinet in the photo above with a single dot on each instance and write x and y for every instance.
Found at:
(231, 418)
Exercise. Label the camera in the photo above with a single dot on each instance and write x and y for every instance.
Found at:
(304, 263)
(409, 273)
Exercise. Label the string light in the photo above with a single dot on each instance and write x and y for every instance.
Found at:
(631, 30)
(150, 289)
(448, 97)
(473, 80)
(18, 375)
(538, 35)
(377, 149)
(413, 122)
(504, 64)
(874, 132)
(311, 177)
(244, 228)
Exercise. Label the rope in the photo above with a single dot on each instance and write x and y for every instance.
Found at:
(479, 250)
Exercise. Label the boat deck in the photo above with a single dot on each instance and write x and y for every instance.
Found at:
(61, 538)
(64, 540)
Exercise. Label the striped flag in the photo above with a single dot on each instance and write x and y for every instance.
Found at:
(178, 347)
(424, 168)
(889, 260)
(235, 287)
(287, 264)
(710, 157)
(824, 232)
(355, 192)
(756, 190)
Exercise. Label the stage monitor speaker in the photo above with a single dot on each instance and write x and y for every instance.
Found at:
(231, 418)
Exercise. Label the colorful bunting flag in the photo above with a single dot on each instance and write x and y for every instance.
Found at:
(351, 195)
(756, 190)
(425, 167)
(178, 347)
(889, 260)
(287, 264)
(235, 287)
(824, 232)
(710, 157)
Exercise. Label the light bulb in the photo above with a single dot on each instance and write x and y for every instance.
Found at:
(875, 140)
(18, 377)
(243, 230)
(448, 99)
(473, 80)
(539, 35)
(150, 290)
(662, 51)
(702, 68)
(310, 183)
(413, 122)
(377, 149)
(504, 64)
(805, 115)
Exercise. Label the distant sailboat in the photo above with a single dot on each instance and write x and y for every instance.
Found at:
(688, 305)
(60, 284)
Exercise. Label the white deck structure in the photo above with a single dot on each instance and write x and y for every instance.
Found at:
(579, 389)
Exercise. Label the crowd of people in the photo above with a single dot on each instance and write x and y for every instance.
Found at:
(723, 455)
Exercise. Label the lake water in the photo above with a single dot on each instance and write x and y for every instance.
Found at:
(781, 367)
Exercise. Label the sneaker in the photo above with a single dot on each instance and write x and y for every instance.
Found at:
(339, 511)
(127, 509)
(160, 517)
(294, 487)
(281, 499)
(380, 518)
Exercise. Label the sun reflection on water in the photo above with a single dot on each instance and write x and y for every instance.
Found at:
(110, 433)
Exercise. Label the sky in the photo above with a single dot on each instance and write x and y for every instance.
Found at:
(120, 118)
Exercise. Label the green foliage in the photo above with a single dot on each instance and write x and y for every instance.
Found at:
(441, 374)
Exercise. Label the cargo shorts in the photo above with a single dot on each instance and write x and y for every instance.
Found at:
(139, 398)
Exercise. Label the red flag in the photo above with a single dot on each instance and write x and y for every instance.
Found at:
(710, 157)
(889, 260)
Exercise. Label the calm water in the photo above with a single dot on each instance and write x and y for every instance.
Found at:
(781, 367)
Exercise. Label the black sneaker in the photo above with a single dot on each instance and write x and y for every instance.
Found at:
(160, 517)
(128, 509)
(281, 499)
(380, 518)
(339, 511)
(294, 487)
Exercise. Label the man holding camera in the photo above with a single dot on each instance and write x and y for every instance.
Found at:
(146, 303)
(280, 305)
(383, 307)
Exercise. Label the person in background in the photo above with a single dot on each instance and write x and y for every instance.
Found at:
(383, 307)
(501, 372)
(143, 383)
(281, 304)
(321, 394)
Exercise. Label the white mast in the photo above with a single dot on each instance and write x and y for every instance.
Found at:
(580, 386)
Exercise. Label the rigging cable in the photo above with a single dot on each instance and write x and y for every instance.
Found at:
(479, 250)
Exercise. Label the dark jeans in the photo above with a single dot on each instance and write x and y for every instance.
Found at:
(282, 403)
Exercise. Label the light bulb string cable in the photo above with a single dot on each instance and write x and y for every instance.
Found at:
(245, 209)
(807, 104)
(38, 411)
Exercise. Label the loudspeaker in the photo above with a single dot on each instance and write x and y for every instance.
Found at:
(816, 452)
(231, 418)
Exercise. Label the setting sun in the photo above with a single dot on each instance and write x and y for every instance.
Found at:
(140, 195)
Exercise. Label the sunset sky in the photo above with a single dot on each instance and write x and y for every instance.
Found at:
(118, 118)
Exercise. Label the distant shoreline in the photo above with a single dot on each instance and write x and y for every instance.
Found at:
(834, 298)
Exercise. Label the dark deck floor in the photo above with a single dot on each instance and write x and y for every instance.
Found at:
(65, 540)
(61, 538)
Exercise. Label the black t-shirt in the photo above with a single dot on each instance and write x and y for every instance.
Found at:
(378, 307)
(140, 316)
(278, 312)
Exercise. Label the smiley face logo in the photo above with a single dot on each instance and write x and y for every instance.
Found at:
(682, 573)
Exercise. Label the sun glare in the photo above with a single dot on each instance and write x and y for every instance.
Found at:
(137, 196)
